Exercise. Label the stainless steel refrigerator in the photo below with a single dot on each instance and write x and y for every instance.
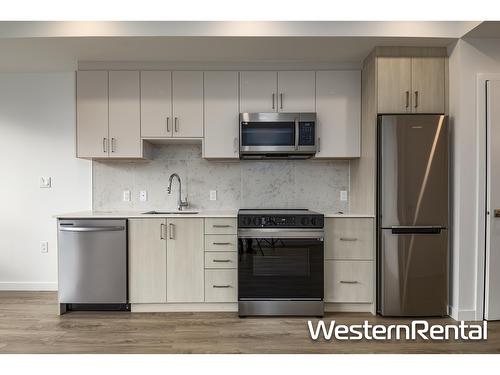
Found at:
(412, 215)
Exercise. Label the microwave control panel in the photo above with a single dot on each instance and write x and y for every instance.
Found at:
(306, 133)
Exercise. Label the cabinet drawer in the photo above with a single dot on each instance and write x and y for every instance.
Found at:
(348, 281)
(221, 242)
(221, 286)
(220, 226)
(349, 238)
(221, 259)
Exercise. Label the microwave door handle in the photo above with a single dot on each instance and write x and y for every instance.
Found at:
(296, 134)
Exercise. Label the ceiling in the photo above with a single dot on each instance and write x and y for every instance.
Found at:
(60, 46)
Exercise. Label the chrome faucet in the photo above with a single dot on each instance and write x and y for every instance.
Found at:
(180, 203)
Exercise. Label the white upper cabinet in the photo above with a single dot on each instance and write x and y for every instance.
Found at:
(92, 114)
(258, 91)
(156, 104)
(221, 115)
(296, 91)
(338, 110)
(187, 107)
(124, 114)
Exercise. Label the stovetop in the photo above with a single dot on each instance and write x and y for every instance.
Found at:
(279, 218)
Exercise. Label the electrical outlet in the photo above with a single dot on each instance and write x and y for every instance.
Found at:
(44, 247)
(213, 195)
(126, 195)
(45, 182)
(343, 195)
(143, 195)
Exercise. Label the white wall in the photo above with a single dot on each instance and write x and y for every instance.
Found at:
(468, 58)
(37, 124)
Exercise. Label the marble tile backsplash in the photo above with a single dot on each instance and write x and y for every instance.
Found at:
(245, 184)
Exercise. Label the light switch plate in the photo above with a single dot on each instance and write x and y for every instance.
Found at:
(44, 246)
(143, 195)
(343, 195)
(45, 182)
(213, 195)
(126, 195)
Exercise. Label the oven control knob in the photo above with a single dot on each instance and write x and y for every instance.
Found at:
(256, 221)
(247, 220)
(314, 221)
(304, 221)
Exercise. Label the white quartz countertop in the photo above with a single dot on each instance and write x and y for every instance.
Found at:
(201, 213)
(141, 214)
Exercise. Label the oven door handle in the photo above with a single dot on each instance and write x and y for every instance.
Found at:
(302, 233)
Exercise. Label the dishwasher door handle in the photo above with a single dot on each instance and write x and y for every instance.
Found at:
(91, 229)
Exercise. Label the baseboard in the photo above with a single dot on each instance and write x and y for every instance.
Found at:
(27, 286)
(184, 307)
(467, 315)
(350, 307)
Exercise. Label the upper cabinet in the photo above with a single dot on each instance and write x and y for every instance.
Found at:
(411, 84)
(221, 112)
(287, 91)
(92, 137)
(187, 104)
(338, 111)
(171, 104)
(156, 104)
(108, 114)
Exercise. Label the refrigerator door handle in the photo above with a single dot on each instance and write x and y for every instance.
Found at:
(416, 229)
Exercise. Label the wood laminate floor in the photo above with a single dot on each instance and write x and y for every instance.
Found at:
(29, 324)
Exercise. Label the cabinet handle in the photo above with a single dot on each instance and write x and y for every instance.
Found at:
(349, 281)
(319, 144)
(221, 243)
(113, 144)
(416, 99)
(221, 260)
(348, 239)
(281, 100)
(104, 141)
(168, 124)
(221, 286)
(162, 231)
(407, 99)
(170, 231)
(176, 124)
(221, 226)
(273, 99)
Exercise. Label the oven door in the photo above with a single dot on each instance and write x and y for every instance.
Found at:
(268, 132)
(280, 267)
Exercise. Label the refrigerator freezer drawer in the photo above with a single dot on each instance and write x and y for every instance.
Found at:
(413, 273)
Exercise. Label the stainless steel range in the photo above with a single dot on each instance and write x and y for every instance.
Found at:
(280, 262)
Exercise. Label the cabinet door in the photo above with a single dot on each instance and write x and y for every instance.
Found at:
(187, 93)
(147, 249)
(221, 115)
(185, 260)
(296, 91)
(394, 84)
(156, 104)
(338, 110)
(349, 238)
(428, 84)
(124, 114)
(349, 281)
(92, 137)
(258, 91)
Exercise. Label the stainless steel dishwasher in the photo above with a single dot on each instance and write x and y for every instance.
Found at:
(92, 264)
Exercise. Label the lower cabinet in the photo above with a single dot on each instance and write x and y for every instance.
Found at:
(221, 285)
(348, 281)
(166, 260)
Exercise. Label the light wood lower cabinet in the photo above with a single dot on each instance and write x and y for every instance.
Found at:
(185, 260)
(221, 242)
(349, 281)
(166, 260)
(349, 238)
(147, 260)
(221, 259)
(220, 226)
(221, 285)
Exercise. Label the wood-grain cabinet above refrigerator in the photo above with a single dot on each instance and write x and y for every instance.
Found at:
(121, 113)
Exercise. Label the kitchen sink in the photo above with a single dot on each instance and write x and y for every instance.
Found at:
(170, 213)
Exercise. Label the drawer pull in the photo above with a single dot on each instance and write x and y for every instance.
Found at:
(221, 260)
(221, 286)
(221, 226)
(349, 282)
(350, 239)
(221, 243)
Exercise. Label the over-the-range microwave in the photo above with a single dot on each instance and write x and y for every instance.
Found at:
(277, 135)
